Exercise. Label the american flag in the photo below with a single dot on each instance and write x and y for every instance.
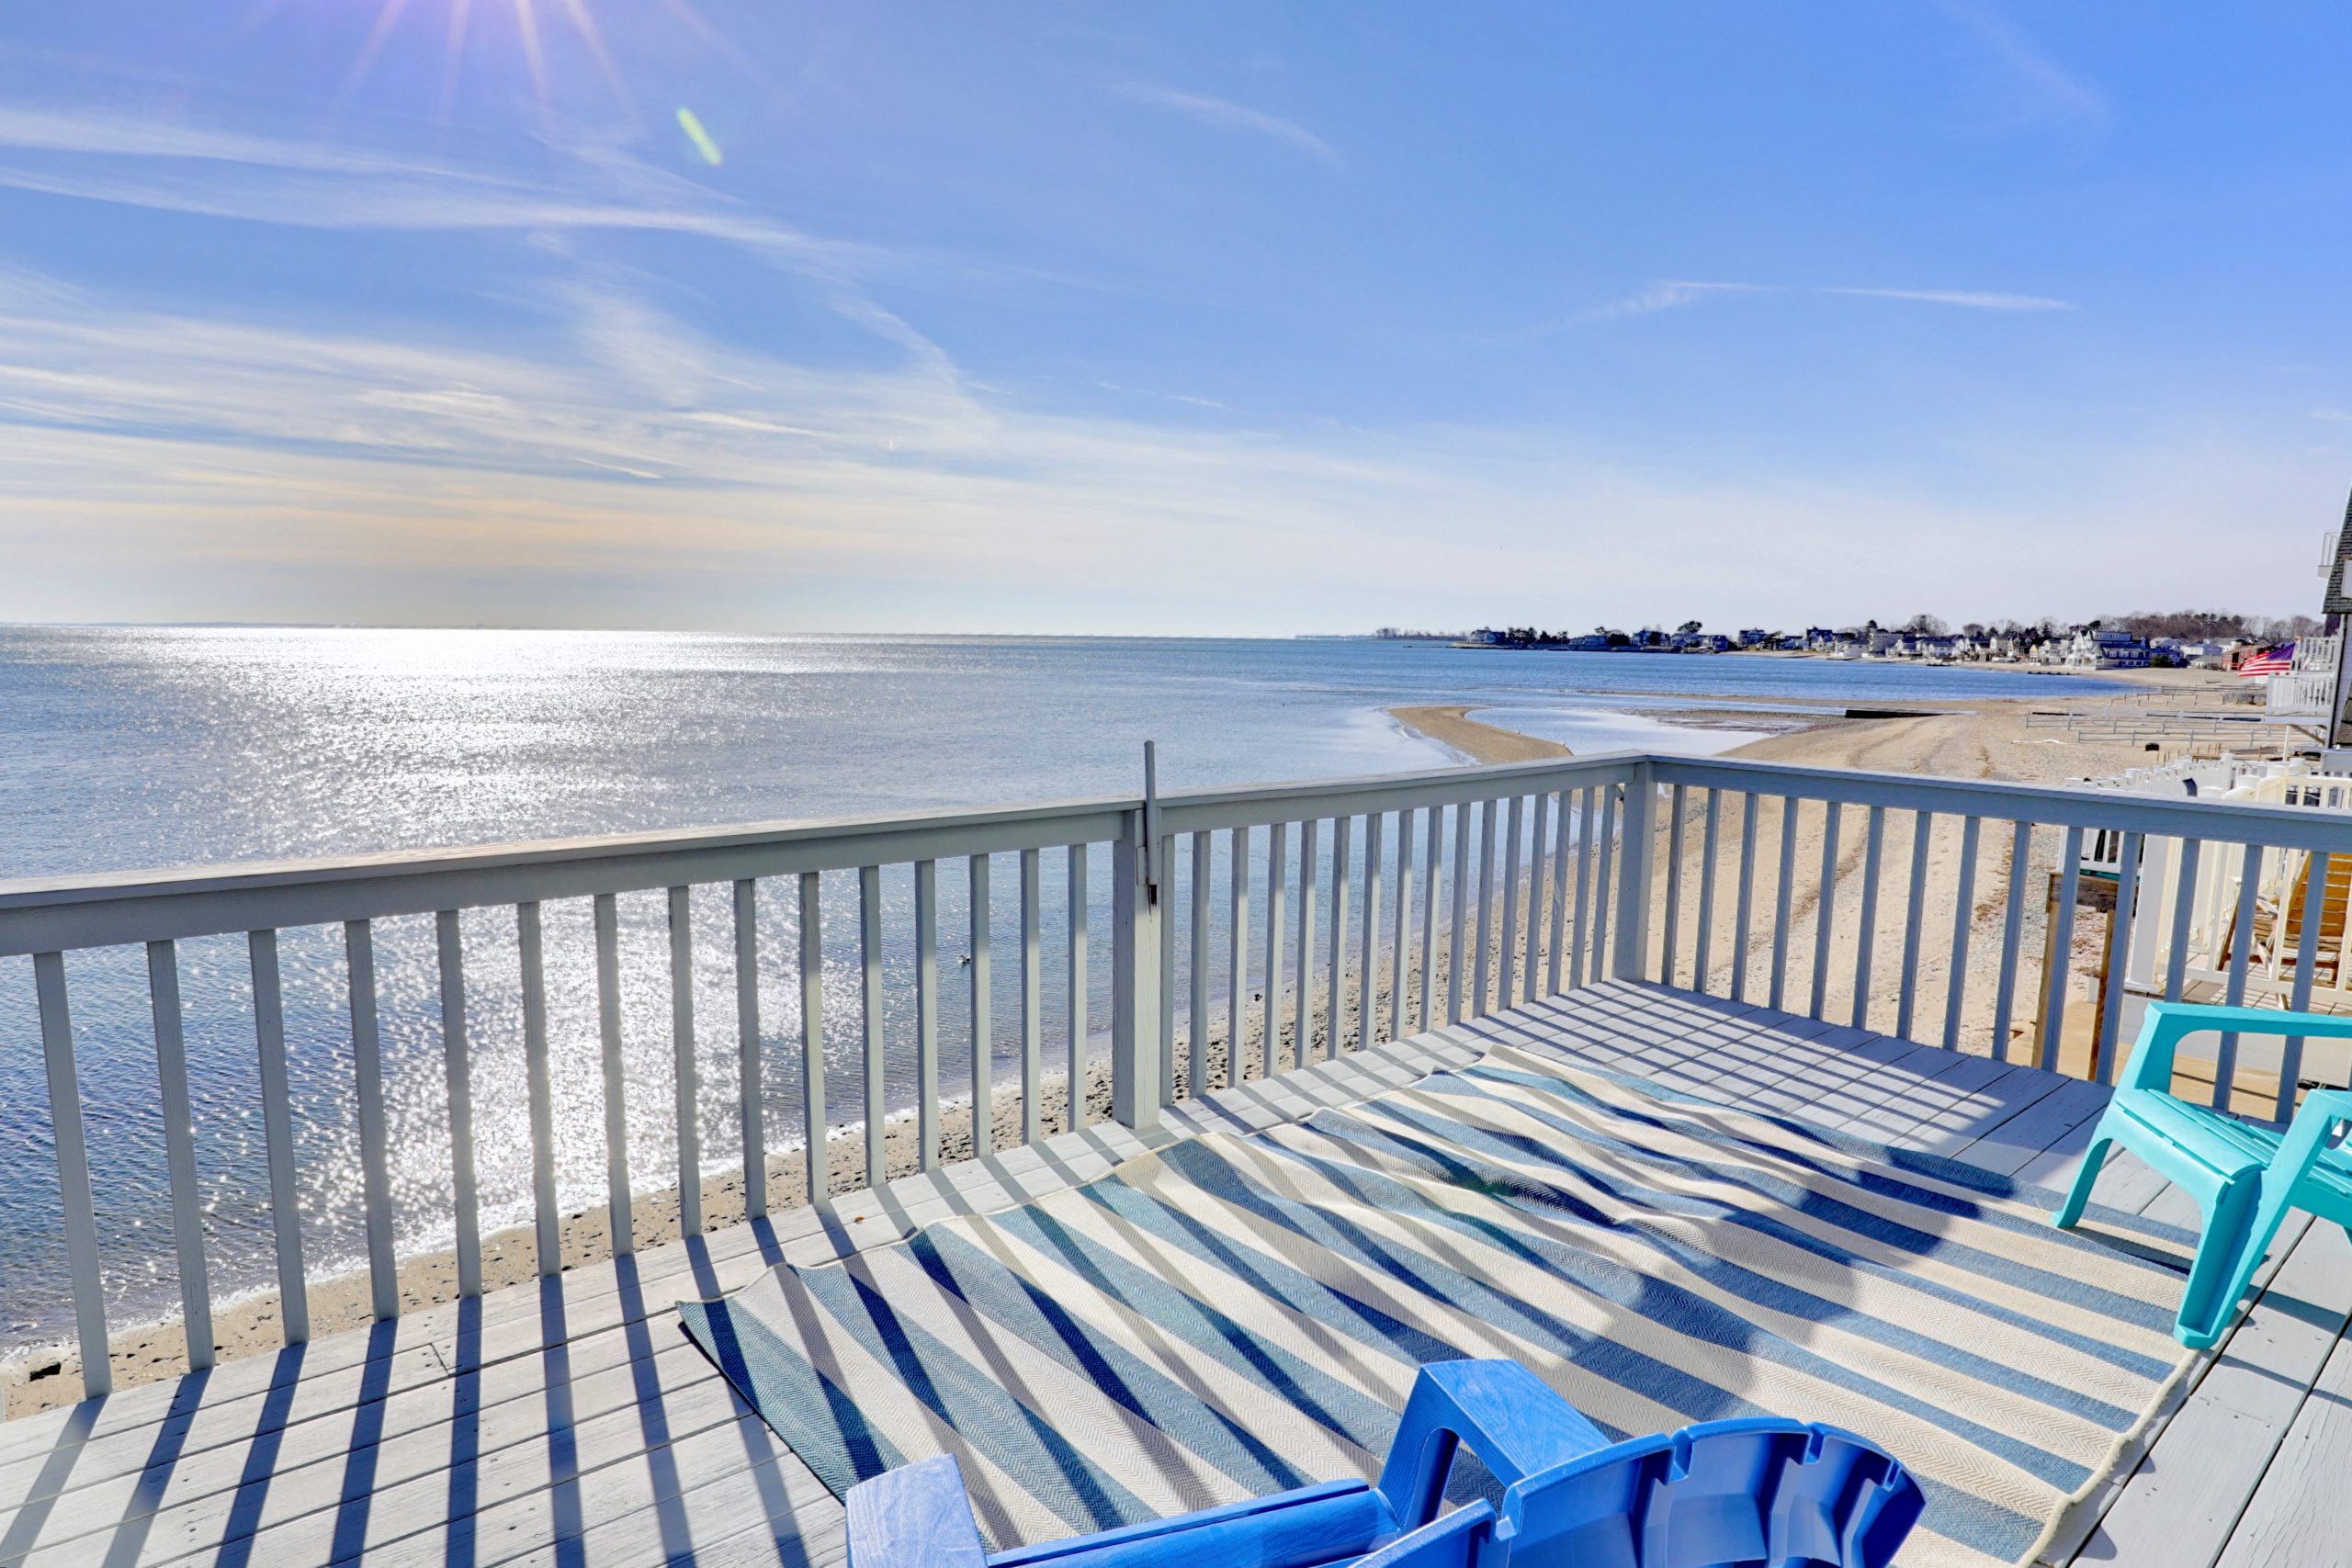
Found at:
(2278, 662)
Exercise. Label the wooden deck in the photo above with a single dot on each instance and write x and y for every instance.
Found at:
(569, 1422)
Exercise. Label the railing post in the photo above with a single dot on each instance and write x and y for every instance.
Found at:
(1634, 854)
(1137, 860)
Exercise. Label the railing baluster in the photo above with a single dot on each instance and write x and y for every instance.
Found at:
(1302, 1004)
(1032, 1027)
(1782, 899)
(367, 1074)
(1368, 960)
(1533, 958)
(872, 1016)
(547, 1233)
(2184, 912)
(1824, 909)
(1963, 918)
(1080, 1082)
(1507, 958)
(277, 1135)
(457, 1068)
(1579, 951)
(1744, 901)
(2119, 958)
(1164, 922)
(927, 1129)
(179, 1155)
(1923, 828)
(2058, 954)
(1874, 844)
(2012, 928)
(815, 1130)
(688, 1109)
(73, 1175)
(1458, 938)
(1704, 949)
(1486, 896)
(1600, 885)
(2314, 905)
(751, 1108)
(2225, 1062)
(1237, 1000)
(1277, 896)
(1196, 975)
(1432, 852)
(1400, 964)
(1562, 831)
(619, 1222)
(1342, 852)
(1674, 885)
(983, 1016)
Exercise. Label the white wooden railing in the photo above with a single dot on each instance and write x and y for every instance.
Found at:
(1434, 897)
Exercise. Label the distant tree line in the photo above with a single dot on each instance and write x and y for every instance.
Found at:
(2192, 625)
(2203, 625)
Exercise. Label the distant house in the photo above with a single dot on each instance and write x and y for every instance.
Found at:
(1820, 639)
(1487, 636)
(2204, 654)
(1753, 637)
(1591, 642)
(2092, 650)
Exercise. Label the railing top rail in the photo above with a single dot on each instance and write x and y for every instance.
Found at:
(2274, 826)
(50, 914)
(55, 913)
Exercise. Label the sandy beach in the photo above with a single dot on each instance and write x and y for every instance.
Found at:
(1981, 739)
(1969, 739)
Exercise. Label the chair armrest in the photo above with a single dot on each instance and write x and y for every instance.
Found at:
(2168, 1024)
(914, 1516)
(1507, 1415)
(2314, 1124)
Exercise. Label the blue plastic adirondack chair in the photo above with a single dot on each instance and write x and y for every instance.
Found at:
(1720, 1492)
(2244, 1176)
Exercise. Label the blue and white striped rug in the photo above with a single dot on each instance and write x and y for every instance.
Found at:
(1237, 1315)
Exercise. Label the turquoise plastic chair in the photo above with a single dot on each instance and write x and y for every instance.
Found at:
(1750, 1491)
(2243, 1175)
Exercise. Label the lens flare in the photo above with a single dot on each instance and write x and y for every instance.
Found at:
(692, 126)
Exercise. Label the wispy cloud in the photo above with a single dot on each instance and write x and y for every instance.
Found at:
(2027, 89)
(621, 468)
(1224, 114)
(1966, 298)
(169, 166)
(1665, 297)
(1674, 294)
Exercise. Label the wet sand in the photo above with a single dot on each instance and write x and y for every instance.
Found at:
(1480, 742)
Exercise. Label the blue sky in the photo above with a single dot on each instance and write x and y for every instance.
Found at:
(1221, 318)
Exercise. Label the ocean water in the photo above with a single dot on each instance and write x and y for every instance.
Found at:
(126, 748)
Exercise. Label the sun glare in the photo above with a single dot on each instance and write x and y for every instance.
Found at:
(532, 18)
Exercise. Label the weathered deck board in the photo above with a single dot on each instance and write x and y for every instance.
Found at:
(2180, 1506)
(567, 1422)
